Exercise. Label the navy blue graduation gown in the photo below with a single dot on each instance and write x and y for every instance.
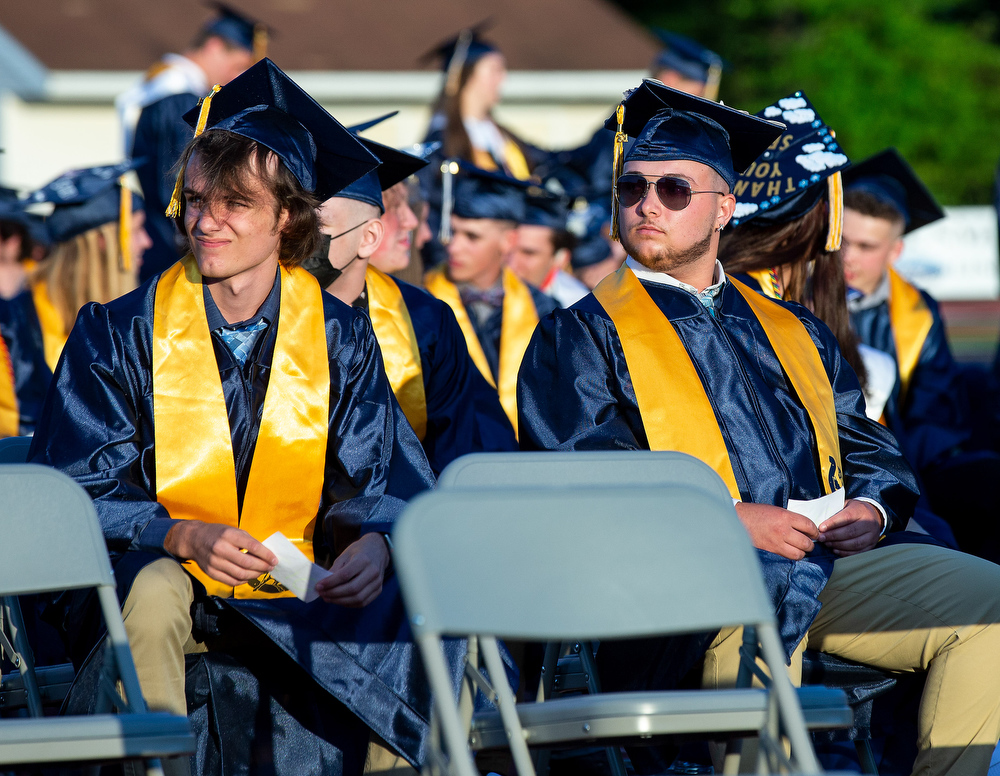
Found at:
(160, 137)
(97, 426)
(452, 385)
(933, 419)
(22, 334)
(488, 332)
(575, 393)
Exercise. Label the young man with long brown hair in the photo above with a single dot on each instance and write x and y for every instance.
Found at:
(225, 401)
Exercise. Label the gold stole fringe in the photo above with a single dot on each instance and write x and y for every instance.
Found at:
(10, 415)
(195, 470)
(676, 412)
(53, 327)
(398, 343)
(911, 321)
(519, 321)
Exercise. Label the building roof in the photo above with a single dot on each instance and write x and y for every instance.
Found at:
(337, 35)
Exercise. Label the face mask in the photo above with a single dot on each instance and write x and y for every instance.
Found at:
(318, 265)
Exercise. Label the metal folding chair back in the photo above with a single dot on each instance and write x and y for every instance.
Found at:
(623, 468)
(51, 542)
(654, 560)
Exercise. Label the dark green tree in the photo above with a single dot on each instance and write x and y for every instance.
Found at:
(921, 75)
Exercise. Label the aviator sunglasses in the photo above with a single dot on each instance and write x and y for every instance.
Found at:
(674, 193)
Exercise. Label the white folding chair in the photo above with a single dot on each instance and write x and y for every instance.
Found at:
(51, 542)
(655, 561)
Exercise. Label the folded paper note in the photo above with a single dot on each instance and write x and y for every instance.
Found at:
(817, 509)
(294, 570)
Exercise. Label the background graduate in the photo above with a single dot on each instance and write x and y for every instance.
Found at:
(226, 46)
(496, 310)
(97, 242)
(928, 408)
(423, 349)
(202, 462)
(24, 375)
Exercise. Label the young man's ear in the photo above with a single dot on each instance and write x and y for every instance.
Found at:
(562, 260)
(371, 238)
(897, 249)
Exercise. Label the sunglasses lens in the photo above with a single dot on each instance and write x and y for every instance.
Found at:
(674, 193)
(631, 189)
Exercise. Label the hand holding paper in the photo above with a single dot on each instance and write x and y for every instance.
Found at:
(294, 570)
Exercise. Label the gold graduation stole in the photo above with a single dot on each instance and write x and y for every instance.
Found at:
(514, 163)
(10, 416)
(195, 469)
(770, 284)
(676, 411)
(911, 321)
(398, 343)
(53, 327)
(519, 320)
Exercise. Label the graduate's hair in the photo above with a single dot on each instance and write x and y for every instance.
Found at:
(867, 204)
(817, 275)
(231, 164)
(85, 268)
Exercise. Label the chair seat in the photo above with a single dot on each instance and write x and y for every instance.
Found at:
(627, 715)
(53, 685)
(94, 738)
(640, 714)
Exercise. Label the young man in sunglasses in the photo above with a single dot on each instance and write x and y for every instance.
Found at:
(671, 354)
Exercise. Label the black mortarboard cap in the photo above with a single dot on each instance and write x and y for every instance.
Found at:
(669, 124)
(482, 193)
(787, 180)
(84, 199)
(265, 105)
(468, 44)
(889, 177)
(236, 27)
(542, 208)
(395, 166)
(686, 56)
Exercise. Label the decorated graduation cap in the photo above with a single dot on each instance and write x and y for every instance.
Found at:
(888, 177)
(791, 176)
(239, 29)
(456, 52)
(88, 198)
(471, 192)
(689, 58)
(395, 166)
(668, 124)
(265, 105)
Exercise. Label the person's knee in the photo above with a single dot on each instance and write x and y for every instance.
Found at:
(159, 600)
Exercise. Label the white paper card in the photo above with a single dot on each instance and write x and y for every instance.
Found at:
(294, 570)
(817, 509)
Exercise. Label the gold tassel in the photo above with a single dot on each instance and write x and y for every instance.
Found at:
(174, 208)
(260, 41)
(835, 184)
(618, 167)
(125, 225)
(712, 83)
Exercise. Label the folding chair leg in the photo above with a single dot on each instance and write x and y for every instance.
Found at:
(864, 749)
(11, 611)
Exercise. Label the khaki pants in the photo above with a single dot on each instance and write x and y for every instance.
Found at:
(157, 615)
(912, 608)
